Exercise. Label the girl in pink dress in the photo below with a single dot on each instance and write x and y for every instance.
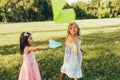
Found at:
(29, 69)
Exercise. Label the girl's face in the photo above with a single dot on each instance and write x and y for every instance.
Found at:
(30, 40)
(73, 29)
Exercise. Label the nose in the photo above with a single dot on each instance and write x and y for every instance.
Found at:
(73, 29)
(32, 40)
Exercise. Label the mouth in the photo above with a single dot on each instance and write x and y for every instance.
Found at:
(74, 34)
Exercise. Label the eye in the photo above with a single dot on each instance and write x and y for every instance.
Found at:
(74, 27)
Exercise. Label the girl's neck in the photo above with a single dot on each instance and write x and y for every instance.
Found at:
(74, 35)
(29, 45)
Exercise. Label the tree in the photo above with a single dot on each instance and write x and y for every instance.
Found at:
(45, 9)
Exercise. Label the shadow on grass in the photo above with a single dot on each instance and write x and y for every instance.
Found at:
(104, 66)
(45, 58)
(13, 49)
(96, 39)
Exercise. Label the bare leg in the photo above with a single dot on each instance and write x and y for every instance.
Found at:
(62, 76)
(76, 79)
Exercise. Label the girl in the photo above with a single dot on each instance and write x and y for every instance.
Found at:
(73, 55)
(29, 69)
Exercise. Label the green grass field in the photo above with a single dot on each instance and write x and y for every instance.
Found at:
(101, 42)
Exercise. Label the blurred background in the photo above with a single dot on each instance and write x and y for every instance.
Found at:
(41, 10)
(99, 22)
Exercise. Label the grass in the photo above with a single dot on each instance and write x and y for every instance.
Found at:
(101, 61)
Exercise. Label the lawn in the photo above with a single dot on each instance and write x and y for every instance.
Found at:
(100, 40)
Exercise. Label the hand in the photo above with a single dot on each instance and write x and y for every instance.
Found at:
(48, 45)
(83, 52)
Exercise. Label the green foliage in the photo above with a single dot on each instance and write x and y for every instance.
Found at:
(41, 10)
(2, 3)
(106, 8)
(100, 62)
(45, 9)
(25, 10)
(98, 9)
(81, 10)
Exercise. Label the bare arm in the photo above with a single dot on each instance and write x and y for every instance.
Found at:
(28, 49)
(70, 39)
(38, 48)
(75, 48)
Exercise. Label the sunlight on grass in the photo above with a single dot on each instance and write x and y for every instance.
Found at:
(100, 62)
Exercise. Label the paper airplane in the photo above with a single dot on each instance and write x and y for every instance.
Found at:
(54, 44)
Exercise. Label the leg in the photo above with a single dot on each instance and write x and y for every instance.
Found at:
(62, 76)
(76, 79)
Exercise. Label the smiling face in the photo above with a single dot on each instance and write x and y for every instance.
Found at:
(73, 29)
(30, 40)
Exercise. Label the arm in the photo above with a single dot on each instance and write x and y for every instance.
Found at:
(75, 48)
(38, 48)
(70, 39)
(28, 49)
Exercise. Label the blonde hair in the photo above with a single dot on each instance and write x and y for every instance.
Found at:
(68, 30)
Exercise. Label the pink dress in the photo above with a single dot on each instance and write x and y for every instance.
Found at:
(29, 69)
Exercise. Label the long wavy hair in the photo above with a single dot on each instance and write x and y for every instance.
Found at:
(24, 41)
(69, 28)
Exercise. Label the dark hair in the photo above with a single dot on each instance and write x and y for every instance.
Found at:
(24, 41)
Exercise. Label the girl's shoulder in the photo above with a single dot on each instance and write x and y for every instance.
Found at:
(78, 37)
(70, 38)
(26, 50)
